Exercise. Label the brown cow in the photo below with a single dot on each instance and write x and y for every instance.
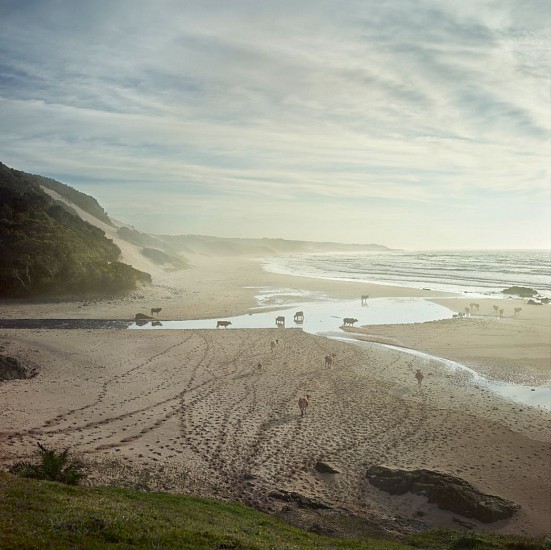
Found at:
(223, 324)
(155, 310)
(419, 375)
(303, 404)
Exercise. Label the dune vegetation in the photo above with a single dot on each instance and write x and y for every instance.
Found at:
(48, 251)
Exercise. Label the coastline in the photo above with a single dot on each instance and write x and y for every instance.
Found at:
(194, 401)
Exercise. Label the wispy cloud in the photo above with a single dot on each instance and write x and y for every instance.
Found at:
(304, 106)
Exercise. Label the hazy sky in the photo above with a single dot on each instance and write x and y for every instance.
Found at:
(413, 124)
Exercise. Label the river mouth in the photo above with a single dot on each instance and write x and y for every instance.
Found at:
(321, 317)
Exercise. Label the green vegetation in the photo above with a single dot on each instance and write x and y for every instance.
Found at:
(138, 238)
(162, 258)
(471, 540)
(42, 514)
(155, 249)
(85, 202)
(46, 250)
(52, 466)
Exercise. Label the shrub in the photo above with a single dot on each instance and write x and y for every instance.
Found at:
(52, 466)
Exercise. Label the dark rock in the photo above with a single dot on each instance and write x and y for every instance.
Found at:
(533, 303)
(449, 492)
(300, 500)
(522, 291)
(324, 468)
(142, 316)
(12, 369)
(322, 530)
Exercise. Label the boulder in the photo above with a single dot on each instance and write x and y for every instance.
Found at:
(142, 317)
(449, 492)
(300, 500)
(522, 291)
(324, 468)
(13, 369)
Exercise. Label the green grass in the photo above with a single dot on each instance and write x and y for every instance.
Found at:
(43, 514)
(468, 540)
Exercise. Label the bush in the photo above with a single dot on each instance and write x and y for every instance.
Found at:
(52, 466)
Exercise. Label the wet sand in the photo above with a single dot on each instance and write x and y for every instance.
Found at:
(192, 411)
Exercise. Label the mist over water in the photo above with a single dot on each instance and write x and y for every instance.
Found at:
(485, 272)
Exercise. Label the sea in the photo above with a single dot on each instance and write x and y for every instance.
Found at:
(486, 272)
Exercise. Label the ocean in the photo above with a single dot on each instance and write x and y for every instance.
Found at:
(470, 271)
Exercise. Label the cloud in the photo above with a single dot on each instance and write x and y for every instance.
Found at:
(302, 103)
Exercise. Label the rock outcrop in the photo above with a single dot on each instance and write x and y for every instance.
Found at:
(142, 317)
(300, 500)
(522, 291)
(13, 369)
(325, 468)
(449, 492)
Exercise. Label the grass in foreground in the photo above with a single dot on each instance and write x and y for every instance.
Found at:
(41, 514)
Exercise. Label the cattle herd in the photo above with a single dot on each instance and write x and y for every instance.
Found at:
(347, 322)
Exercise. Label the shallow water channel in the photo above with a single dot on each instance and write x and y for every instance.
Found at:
(322, 317)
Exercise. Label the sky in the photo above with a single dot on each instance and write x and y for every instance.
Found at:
(412, 124)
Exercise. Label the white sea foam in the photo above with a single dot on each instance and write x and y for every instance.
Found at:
(474, 272)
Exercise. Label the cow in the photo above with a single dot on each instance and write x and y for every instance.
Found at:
(501, 311)
(155, 310)
(329, 360)
(517, 311)
(496, 309)
(303, 404)
(274, 344)
(223, 324)
(419, 375)
(280, 321)
(299, 317)
(365, 297)
(348, 321)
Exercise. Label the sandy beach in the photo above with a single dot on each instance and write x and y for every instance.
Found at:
(191, 410)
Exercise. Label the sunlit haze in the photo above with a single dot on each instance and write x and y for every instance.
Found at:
(407, 124)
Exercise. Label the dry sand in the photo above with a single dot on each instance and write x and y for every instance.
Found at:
(191, 411)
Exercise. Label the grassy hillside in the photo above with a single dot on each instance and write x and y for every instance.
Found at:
(47, 251)
(42, 514)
